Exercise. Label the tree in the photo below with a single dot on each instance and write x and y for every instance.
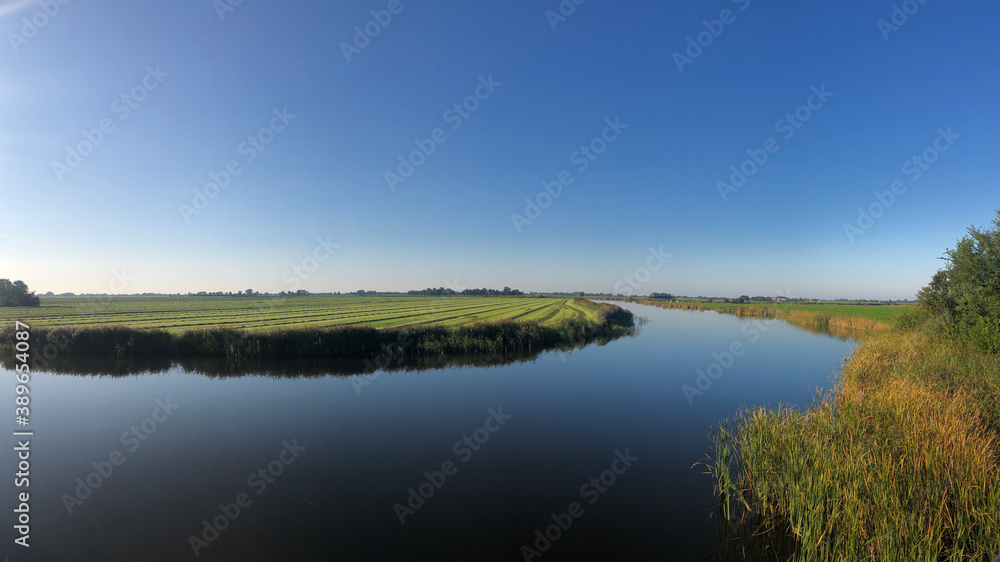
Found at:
(964, 297)
(16, 294)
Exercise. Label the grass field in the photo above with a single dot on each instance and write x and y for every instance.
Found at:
(322, 327)
(880, 312)
(178, 314)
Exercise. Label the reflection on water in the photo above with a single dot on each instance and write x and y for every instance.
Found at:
(289, 368)
(321, 460)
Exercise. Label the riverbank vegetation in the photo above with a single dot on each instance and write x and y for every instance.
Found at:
(884, 313)
(539, 325)
(839, 320)
(901, 461)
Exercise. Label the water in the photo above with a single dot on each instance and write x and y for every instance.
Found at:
(352, 451)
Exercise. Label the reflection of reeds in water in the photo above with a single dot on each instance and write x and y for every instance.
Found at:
(902, 462)
(276, 368)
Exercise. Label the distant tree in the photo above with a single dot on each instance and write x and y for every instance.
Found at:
(484, 292)
(249, 292)
(964, 297)
(664, 296)
(17, 294)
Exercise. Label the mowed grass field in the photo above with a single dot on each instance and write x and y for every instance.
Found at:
(178, 314)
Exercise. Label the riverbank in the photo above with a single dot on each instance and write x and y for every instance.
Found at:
(900, 462)
(496, 338)
(840, 320)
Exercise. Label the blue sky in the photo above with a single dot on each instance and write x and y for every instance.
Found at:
(207, 83)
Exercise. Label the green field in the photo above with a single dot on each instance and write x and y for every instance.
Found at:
(881, 312)
(179, 314)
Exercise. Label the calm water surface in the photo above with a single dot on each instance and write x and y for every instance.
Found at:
(338, 454)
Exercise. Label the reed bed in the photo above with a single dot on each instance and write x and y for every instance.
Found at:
(901, 462)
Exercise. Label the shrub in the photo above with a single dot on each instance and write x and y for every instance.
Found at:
(965, 296)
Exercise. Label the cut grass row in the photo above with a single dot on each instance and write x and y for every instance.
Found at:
(427, 327)
(179, 314)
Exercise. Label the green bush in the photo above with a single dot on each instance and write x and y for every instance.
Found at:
(964, 297)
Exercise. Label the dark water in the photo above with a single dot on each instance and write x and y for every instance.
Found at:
(343, 451)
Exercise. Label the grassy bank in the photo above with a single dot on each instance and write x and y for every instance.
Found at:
(900, 462)
(495, 338)
(841, 320)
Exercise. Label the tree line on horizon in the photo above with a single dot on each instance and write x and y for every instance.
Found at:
(484, 292)
(17, 294)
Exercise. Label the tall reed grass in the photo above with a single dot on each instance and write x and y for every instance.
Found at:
(900, 462)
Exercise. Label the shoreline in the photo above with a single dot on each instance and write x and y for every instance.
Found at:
(827, 480)
(500, 338)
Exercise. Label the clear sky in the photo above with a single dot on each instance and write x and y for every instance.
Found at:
(179, 87)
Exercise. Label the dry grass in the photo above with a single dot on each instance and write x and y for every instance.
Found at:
(901, 462)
